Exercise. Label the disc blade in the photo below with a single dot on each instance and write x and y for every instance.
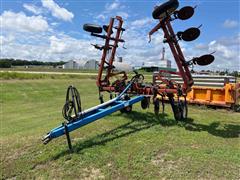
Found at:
(205, 60)
(185, 13)
(190, 34)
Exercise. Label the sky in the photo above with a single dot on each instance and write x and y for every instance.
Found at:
(51, 30)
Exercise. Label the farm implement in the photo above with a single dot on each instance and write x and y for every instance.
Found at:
(76, 118)
(165, 14)
(126, 92)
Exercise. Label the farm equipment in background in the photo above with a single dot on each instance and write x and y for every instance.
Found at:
(211, 90)
(133, 91)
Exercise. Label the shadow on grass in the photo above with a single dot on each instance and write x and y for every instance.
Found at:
(139, 121)
(215, 128)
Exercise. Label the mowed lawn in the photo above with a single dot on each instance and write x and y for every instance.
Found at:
(138, 145)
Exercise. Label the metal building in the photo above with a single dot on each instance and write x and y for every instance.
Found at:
(71, 65)
(91, 65)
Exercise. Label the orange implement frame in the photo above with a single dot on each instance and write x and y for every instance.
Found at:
(225, 97)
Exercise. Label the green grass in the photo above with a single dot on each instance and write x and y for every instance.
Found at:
(47, 69)
(120, 146)
(25, 75)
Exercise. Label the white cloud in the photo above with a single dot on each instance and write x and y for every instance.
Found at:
(226, 52)
(230, 23)
(112, 6)
(32, 8)
(58, 46)
(111, 10)
(4, 40)
(57, 11)
(47, 46)
(142, 22)
(22, 23)
(101, 16)
(124, 15)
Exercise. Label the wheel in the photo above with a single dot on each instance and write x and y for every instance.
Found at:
(92, 28)
(145, 103)
(165, 9)
(156, 103)
(127, 109)
(177, 112)
(180, 110)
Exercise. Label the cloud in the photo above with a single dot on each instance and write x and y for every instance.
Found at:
(124, 15)
(226, 54)
(22, 23)
(230, 24)
(142, 22)
(51, 45)
(32, 8)
(5, 40)
(101, 16)
(46, 46)
(57, 11)
(111, 10)
(58, 46)
(112, 6)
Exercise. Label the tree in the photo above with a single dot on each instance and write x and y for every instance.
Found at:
(5, 64)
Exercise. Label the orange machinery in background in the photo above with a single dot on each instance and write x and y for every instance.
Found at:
(212, 90)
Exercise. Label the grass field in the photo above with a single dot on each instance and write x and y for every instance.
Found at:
(134, 146)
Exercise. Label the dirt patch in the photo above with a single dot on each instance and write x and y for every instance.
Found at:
(162, 159)
(93, 173)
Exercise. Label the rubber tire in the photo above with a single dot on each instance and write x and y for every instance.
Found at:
(167, 7)
(145, 103)
(92, 28)
(127, 109)
(177, 113)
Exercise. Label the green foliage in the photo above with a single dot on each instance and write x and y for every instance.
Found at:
(5, 64)
(19, 62)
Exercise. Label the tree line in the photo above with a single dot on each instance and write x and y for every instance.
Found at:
(7, 63)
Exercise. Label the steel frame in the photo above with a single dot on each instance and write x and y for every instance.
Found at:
(170, 87)
(103, 83)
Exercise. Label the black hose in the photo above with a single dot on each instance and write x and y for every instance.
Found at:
(72, 107)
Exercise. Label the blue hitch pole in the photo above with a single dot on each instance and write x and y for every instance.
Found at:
(91, 115)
